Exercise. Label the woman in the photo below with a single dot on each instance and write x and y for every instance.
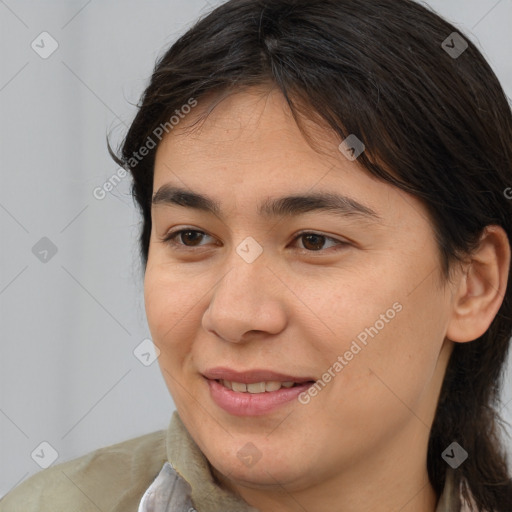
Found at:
(326, 243)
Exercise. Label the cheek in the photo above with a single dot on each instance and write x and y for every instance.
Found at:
(399, 362)
(172, 320)
(169, 298)
(391, 336)
(351, 305)
(169, 304)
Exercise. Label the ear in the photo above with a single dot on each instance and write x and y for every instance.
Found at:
(480, 286)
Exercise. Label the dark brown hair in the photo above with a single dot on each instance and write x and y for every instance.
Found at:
(439, 121)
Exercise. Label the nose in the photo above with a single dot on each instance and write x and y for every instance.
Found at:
(246, 303)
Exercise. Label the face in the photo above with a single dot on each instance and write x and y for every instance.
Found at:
(345, 304)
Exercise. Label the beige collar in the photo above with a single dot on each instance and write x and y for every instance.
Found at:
(190, 463)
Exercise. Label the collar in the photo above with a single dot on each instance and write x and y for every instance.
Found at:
(186, 481)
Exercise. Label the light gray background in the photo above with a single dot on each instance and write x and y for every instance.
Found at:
(69, 326)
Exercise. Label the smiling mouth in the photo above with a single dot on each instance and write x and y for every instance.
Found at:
(259, 387)
(263, 392)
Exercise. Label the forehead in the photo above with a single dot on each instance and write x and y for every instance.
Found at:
(249, 148)
(244, 123)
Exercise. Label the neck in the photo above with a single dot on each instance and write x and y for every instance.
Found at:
(381, 484)
(418, 497)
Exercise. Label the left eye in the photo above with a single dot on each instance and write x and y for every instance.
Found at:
(313, 239)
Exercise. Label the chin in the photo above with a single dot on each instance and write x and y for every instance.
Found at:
(267, 472)
(262, 478)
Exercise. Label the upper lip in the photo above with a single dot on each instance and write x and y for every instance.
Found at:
(251, 376)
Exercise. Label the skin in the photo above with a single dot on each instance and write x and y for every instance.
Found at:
(361, 443)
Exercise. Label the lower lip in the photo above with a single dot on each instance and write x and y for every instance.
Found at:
(253, 404)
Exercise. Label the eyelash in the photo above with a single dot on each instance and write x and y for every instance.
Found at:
(169, 240)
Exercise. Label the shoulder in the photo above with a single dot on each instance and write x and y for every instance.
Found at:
(112, 478)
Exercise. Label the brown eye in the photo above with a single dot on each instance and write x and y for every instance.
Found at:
(186, 238)
(314, 242)
(190, 236)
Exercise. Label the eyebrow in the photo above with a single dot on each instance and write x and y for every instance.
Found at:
(341, 205)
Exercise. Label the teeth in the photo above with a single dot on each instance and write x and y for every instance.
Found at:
(273, 385)
(256, 387)
(239, 386)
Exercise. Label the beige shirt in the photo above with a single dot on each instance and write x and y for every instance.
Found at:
(164, 471)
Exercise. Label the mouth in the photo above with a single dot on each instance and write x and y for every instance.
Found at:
(258, 387)
(254, 376)
(253, 392)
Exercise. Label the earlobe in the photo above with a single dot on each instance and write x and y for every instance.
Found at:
(481, 287)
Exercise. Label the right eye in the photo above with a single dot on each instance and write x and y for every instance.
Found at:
(192, 235)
